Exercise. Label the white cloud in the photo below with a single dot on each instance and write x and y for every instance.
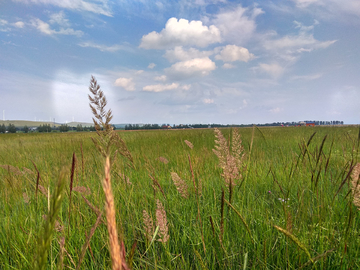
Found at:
(191, 68)
(228, 66)
(151, 65)
(208, 100)
(333, 7)
(126, 83)
(290, 47)
(237, 25)
(181, 32)
(44, 28)
(178, 53)
(160, 87)
(275, 70)
(3, 22)
(303, 42)
(275, 110)
(233, 53)
(19, 24)
(307, 77)
(59, 18)
(161, 78)
(99, 7)
(104, 48)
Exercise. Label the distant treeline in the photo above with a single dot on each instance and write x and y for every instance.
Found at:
(44, 128)
(65, 128)
(182, 126)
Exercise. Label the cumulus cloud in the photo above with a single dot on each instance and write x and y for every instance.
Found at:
(181, 32)
(99, 7)
(126, 83)
(161, 78)
(151, 65)
(178, 53)
(275, 70)
(191, 68)
(160, 87)
(208, 100)
(104, 48)
(275, 110)
(237, 25)
(233, 53)
(19, 24)
(44, 28)
(228, 66)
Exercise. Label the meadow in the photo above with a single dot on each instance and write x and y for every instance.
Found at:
(289, 207)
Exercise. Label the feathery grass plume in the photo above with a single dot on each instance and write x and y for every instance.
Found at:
(355, 183)
(180, 184)
(148, 224)
(26, 198)
(107, 137)
(43, 190)
(27, 170)
(82, 190)
(163, 160)
(189, 144)
(230, 162)
(295, 240)
(46, 237)
(161, 221)
(105, 142)
(12, 169)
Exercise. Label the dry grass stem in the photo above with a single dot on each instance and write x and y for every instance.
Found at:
(161, 221)
(87, 242)
(180, 184)
(60, 265)
(355, 185)
(111, 219)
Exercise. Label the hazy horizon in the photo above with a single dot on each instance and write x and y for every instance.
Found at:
(181, 62)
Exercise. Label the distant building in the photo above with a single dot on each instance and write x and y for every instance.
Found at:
(310, 124)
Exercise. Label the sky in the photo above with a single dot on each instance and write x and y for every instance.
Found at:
(181, 62)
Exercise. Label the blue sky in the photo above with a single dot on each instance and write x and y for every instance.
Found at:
(186, 61)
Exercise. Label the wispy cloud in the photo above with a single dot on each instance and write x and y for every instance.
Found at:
(45, 28)
(99, 7)
(105, 48)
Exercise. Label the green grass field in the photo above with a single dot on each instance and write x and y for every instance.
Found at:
(291, 209)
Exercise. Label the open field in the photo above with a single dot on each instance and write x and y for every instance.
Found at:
(291, 208)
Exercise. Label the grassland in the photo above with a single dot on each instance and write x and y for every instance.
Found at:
(291, 209)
